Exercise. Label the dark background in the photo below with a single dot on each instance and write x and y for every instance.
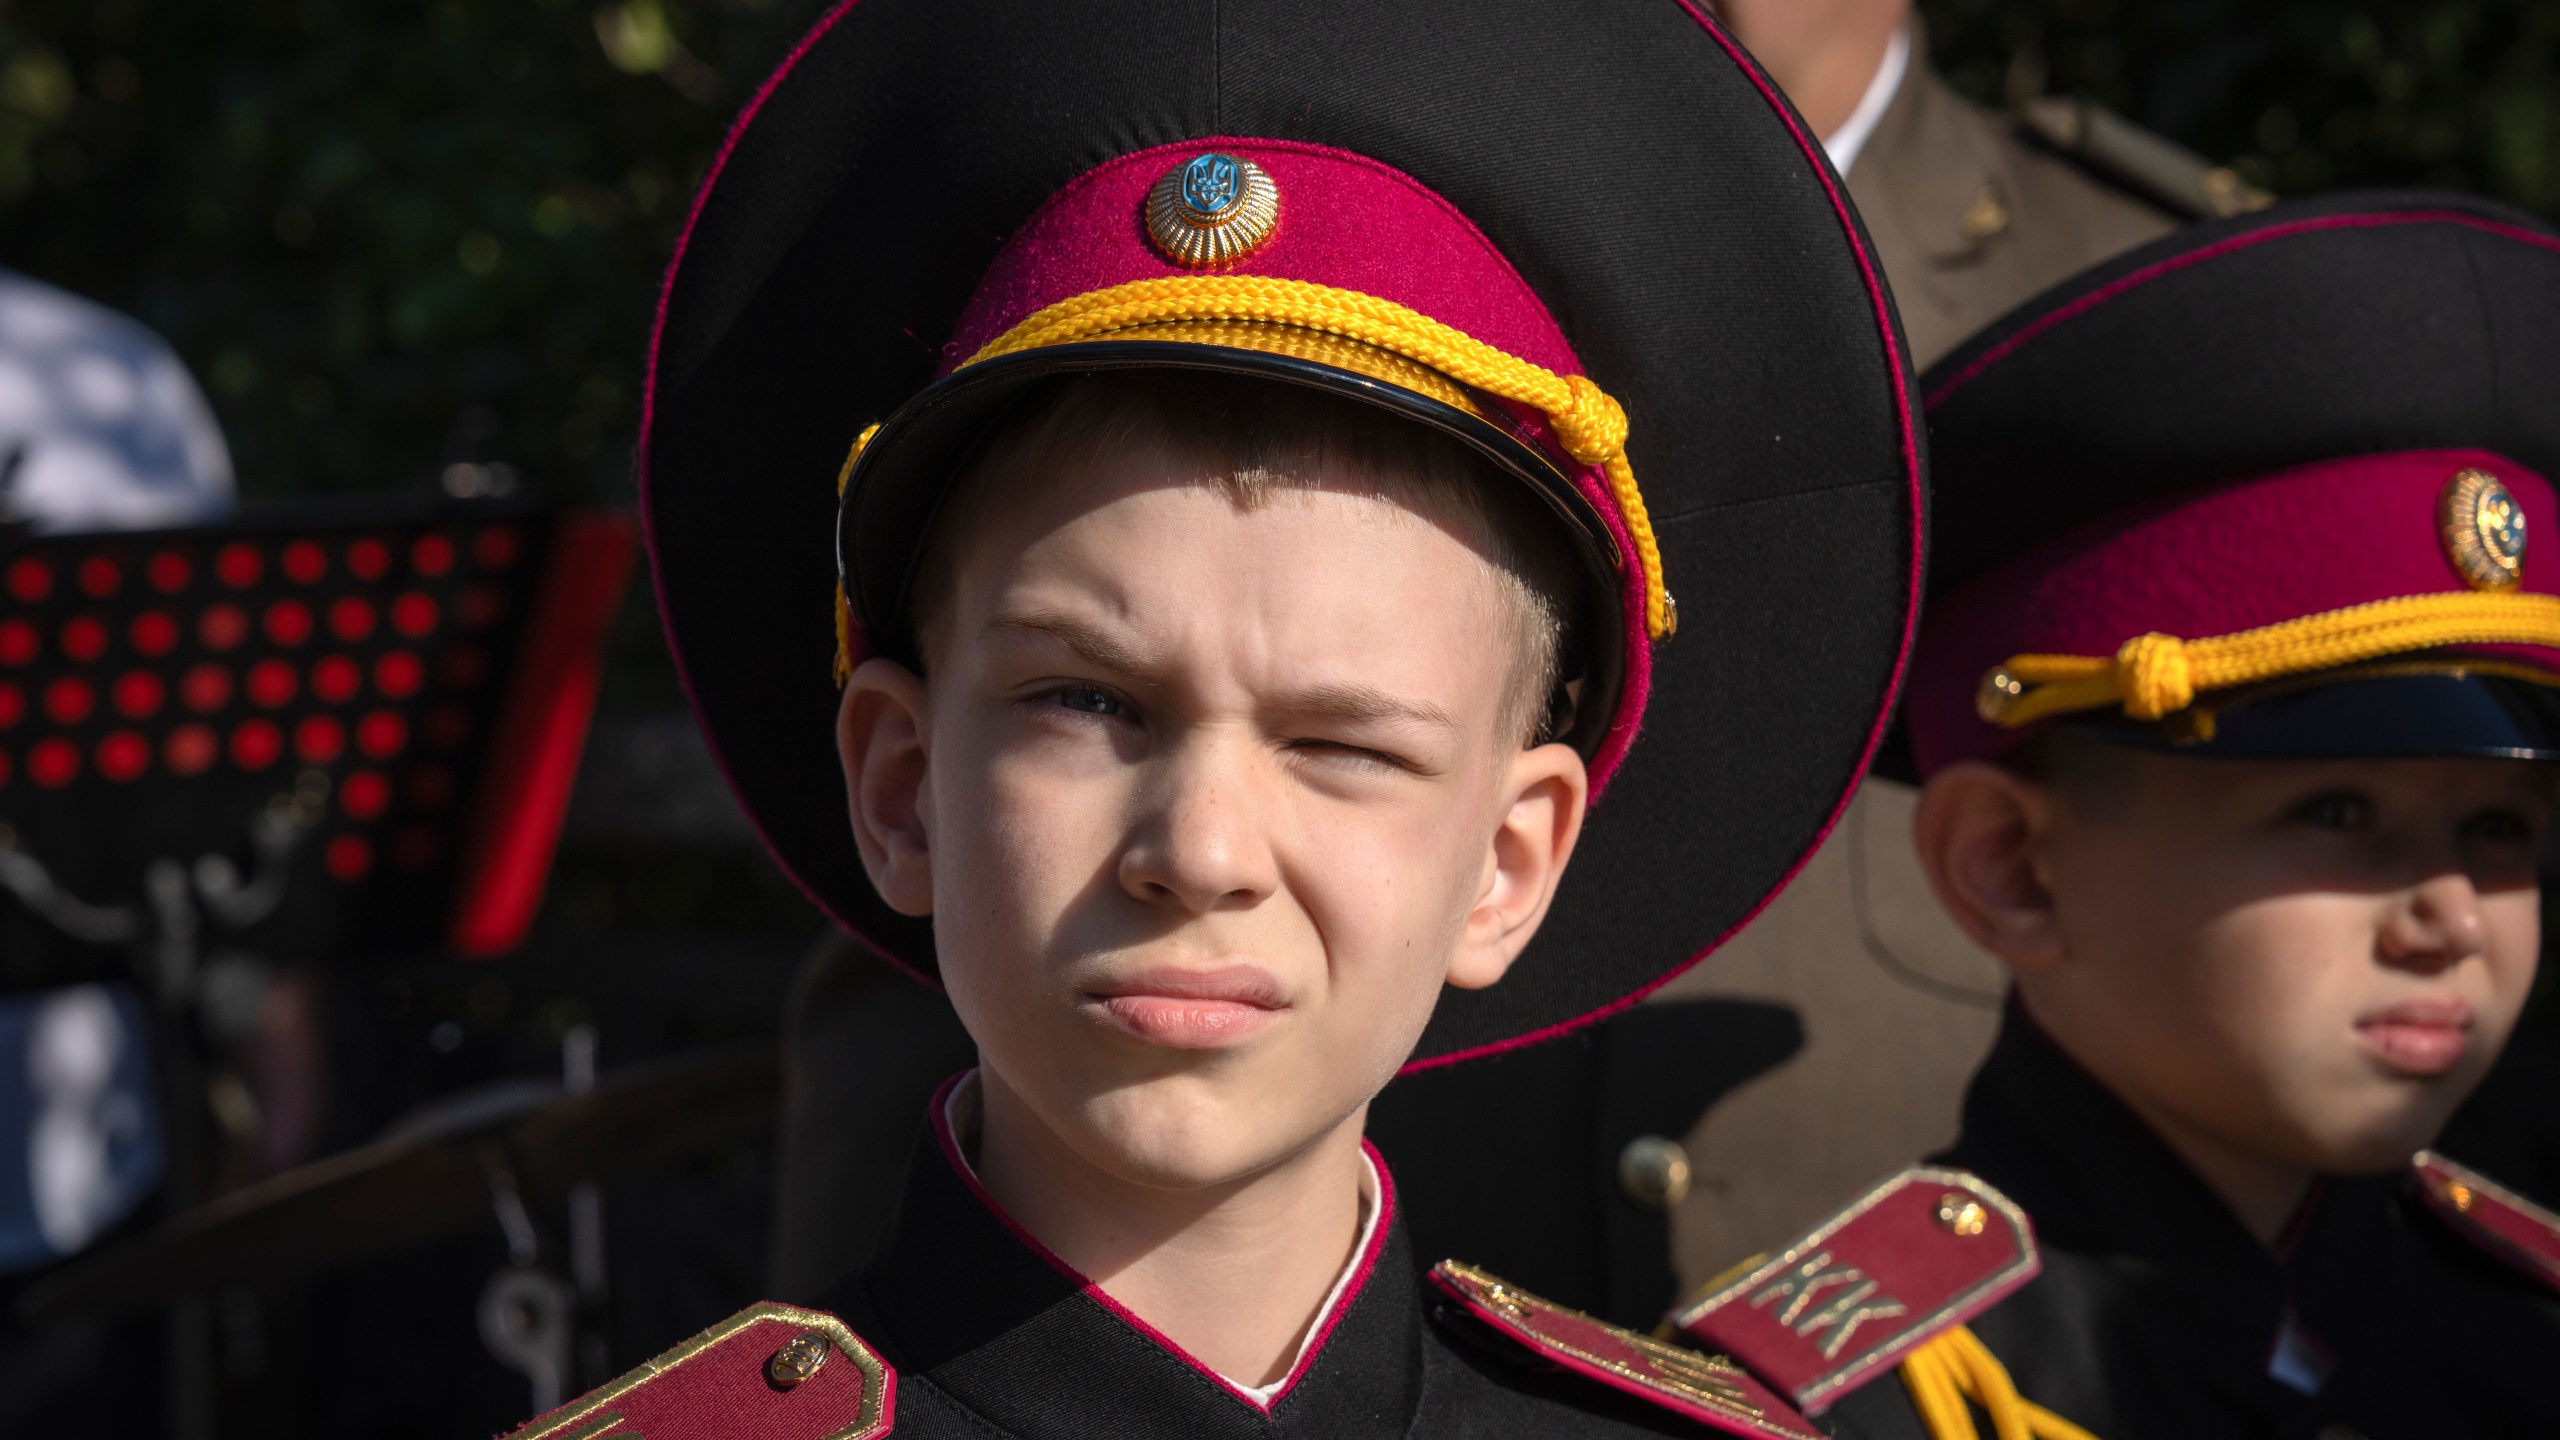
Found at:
(391, 238)
(390, 235)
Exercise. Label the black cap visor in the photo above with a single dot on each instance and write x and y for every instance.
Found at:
(2447, 709)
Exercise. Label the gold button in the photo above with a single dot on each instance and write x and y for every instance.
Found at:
(2458, 1194)
(1962, 1214)
(797, 1361)
(2228, 194)
(1654, 1172)
(1987, 216)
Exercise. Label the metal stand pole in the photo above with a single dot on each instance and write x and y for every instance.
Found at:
(172, 974)
(586, 1221)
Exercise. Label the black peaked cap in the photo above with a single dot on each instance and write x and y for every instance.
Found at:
(2357, 323)
(1642, 176)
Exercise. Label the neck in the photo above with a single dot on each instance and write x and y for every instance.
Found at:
(2264, 1193)
(1234, 1274)
(1828, 77)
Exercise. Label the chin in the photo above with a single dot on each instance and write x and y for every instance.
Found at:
(1167, 1135)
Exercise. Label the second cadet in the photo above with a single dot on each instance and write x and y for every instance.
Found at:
(2236, 708)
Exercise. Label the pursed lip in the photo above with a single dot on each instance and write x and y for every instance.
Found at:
(2420, 1037)
(1187, 1008)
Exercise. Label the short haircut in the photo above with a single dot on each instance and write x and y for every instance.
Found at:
(1254, 439)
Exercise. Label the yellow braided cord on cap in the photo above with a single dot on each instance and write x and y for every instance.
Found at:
(844, 612)
(1317, 346)
(2156, 675)
(1955, 1368)
(1591, 426)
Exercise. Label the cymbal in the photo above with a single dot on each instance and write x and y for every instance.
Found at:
(430, 1175)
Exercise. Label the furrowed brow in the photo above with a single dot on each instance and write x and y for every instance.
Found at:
(1349, 703)
(1088, 642)
(1367, 704)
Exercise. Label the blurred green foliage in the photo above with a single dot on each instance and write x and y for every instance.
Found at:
(2299, 95)
(390, 235)
(387, 236)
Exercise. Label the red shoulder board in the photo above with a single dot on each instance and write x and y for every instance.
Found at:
(2492, 1216)
(1706, 1388)
(1918, 1255)
(769, 1372)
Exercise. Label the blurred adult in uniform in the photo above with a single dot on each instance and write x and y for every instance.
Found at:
(1972, 211)
(1826, 1043)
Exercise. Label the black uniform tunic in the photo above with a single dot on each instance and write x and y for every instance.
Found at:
(2158, 1315)
(991, 1337)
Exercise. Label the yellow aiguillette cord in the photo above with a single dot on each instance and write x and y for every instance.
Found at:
(1955, 1368)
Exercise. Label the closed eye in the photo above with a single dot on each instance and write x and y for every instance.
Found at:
(1361, 755)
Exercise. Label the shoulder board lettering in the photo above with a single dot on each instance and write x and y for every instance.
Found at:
(2491, 1216)
(1705, 1388)
(770, 1371)
(1912, 1258)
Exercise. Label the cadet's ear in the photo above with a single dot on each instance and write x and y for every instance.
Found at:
(1980, 829)
(1532, 840)
(881, 738)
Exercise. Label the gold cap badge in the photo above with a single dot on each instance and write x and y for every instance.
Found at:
(2483, 530)
(1213, 209)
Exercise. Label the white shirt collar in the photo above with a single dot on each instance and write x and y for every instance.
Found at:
(1263, 1395)
(1854, 132)
(960, 1114)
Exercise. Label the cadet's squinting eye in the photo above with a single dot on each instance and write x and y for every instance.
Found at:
(2335, 810)
(1356, 755)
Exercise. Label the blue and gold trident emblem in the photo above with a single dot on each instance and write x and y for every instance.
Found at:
(1213, 209)
(1209, 184)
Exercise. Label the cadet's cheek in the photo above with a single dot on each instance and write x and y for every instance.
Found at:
(2286, 962)
(2515, 931)
(1409, 860)
(1010, 840)
(2514, 920)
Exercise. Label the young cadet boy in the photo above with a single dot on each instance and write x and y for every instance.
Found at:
(2236, 710)
(1243, 594)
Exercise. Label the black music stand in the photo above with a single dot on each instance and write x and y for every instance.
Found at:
(322, 731)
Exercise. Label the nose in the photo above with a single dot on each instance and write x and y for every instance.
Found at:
(2437, 925)
(1203, 843)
